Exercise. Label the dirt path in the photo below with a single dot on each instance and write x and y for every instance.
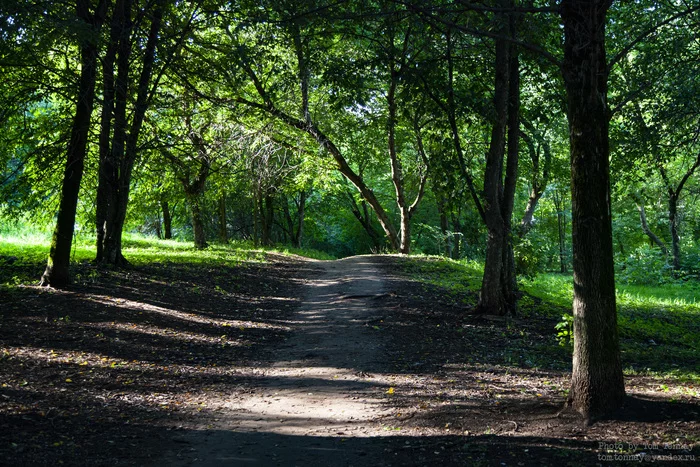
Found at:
(321, 399)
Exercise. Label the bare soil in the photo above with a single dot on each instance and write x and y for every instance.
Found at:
(300, 362)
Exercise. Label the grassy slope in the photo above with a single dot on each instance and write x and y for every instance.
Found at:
(30, 250)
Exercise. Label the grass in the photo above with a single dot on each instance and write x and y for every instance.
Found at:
(659, 326)
(30, 250)
(457, 277)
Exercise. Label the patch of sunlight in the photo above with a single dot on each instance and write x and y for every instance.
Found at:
(169, 312)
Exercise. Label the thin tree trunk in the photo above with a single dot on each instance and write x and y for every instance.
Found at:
(127, 158)
(655, 240)
(167, 220)
(444, 226)
(58, 265)
(673, 227)
(106, 170)
(538, 184)
(223, 228)
(597, 385)
(491, 298)
(561, 229)
(256, 218)
(301, 210)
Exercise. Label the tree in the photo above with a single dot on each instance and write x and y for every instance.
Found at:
(90, 23)
(597, 385)
(119, 140)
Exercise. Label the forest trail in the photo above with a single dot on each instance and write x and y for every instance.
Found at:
(320, 400)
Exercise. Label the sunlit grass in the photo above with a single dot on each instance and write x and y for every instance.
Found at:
(28, 250)
(659, 326)
(456, 276)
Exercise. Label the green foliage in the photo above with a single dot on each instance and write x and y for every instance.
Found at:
(565, 331)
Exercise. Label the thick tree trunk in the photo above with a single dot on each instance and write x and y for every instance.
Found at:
(167, 220)
(510, 284)
(597, 385)
(58, 265)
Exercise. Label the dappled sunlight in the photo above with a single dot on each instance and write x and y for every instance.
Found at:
(138, 306)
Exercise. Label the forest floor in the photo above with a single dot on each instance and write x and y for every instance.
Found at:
(300, 362)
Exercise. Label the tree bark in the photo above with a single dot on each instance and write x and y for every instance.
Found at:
(301, 209)
(124, 146)
(561, 230)
(223, 228)
(106, 171)
(673, 227)
(167, 220)
(200, 238)
(597, 385)
(491, 298)
(58, 265)
(266, 206)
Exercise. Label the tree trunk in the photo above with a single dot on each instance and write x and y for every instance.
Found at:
(200, 238)
(58, 265)
(561, 229)
(126, 145)
(108, 188)
(256, 218)
(491, 299)
(538, 184)
(223, 229)
(363, 217)
(167, 221)
(597, 385)
(301, 209)
(106, 171)
(269, 219)
(673, 226)
(509, 279)
(444, 227)
(655, 240)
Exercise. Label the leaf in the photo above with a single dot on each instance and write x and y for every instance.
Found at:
(390, 390)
